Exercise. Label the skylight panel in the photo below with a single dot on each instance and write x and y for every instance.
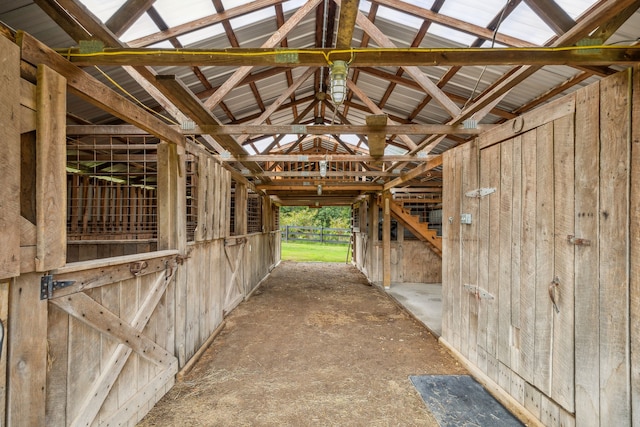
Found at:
(103, 9)
(292, 5)
(524, 24)
(186, 11)
(473, 11)
(575, 8)
(142, 27)
(253, 17)
(400, 17)
(425, 4)
(199, 36)
(457, 37)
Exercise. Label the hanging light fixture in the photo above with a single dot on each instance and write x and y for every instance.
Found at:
(323, 168)
(338, 75)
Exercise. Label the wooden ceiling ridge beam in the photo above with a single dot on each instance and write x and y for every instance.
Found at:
(127, 14)
(278, 102)
(423, 80)
(95, 92)
(272, 42)
(204, 22)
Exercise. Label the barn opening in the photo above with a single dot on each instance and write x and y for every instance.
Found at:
(489, 149)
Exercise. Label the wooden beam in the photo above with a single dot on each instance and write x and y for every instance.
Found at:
(433, 163)
(326, 187)
(93, 91)
(127, 14)
(552, 15)
(319, 157)
(389, 55)
(281, 99)
(10, 159)
(204, 22)
(453, 23)
(346, 23)
(272, 42)
(386, 240)
(51, 176)
(376, 110)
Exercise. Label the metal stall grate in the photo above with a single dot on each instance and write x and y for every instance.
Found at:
(112, 188)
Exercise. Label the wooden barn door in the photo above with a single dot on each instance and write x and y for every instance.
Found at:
(526, 258)
(234, 285)
(110, 341)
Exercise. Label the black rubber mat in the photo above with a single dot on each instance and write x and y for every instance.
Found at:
(460, 401)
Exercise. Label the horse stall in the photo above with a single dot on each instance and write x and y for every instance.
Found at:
(121, 253)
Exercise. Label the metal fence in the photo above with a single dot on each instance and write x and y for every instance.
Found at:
(294, 233)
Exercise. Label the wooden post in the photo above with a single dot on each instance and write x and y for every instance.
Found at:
(386, 240)
(10, 159)
(27, 358)
(171, 198)
(51, 180)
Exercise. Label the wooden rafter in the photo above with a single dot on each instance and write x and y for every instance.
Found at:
(552, 15)
(242, 71)
(127, 14)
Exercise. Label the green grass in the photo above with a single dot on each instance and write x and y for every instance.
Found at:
(318, 252)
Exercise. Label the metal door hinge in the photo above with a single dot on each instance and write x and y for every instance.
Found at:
(479, 292)
(480, 192)
(578, 241)
(48, 285)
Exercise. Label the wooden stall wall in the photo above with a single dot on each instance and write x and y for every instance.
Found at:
(540, 290)
(411, 260)
(99, 342)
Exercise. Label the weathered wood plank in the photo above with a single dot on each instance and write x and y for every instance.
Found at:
(467, 239)
(10, 159)
(4, 317)
(614, 229)
(57, 375)
(563, 341)
(516, 230)
(99, 318)
(544, 257)
(51, 194)
(448, 251)
(587, 295)
(471, 243)
(634, 241)
(527, 258)
(95, 92)
(528, 121)
(27, 358)
(494, 261)
(453, 263)
(386, 239)
(483, 260)
(505, 216)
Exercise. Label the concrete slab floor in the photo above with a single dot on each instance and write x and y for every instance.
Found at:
(423, 300)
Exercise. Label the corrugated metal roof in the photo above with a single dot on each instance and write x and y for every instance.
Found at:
(254, 29)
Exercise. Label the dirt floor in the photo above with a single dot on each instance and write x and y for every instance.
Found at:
(314, 345)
